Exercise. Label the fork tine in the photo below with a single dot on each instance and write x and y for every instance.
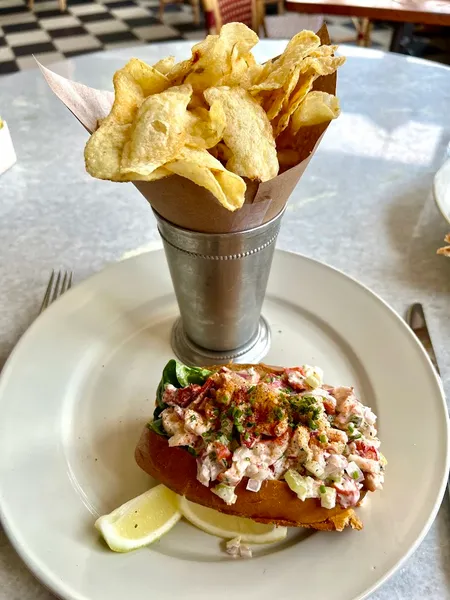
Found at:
(64, 283)
(46, 298)
(56, 288)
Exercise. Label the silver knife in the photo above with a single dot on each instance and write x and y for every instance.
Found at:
(415, 318)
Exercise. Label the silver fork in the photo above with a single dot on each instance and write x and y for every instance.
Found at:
(56, 287)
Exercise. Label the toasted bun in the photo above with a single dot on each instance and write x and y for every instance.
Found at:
(274, 503)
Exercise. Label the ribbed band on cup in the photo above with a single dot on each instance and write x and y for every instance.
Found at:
(224, 257)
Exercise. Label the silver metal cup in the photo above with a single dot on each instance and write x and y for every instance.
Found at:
(220, 280)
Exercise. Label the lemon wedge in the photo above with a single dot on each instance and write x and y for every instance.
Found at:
(140, 521)
(227, 526)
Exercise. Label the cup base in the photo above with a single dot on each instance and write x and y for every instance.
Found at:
(191, 354)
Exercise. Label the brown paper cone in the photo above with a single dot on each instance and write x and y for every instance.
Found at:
(179, 200)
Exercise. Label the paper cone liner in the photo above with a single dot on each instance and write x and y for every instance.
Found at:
(181, 201)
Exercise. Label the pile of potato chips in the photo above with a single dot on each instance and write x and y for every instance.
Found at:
(216, 118)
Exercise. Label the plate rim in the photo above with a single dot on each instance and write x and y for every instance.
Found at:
(49, 578)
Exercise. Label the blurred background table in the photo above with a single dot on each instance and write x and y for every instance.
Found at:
(404, 13)
(363, 206)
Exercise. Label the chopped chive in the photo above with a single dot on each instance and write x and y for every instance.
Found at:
(322, 489)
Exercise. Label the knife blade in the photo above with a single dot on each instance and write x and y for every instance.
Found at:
(415, 317)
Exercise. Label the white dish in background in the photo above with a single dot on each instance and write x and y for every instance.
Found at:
(441, 190)
(7, 153)
(80, 386)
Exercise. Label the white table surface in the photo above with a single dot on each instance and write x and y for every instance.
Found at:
(364, 206)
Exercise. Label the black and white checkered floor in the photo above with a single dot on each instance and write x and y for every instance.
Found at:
(86, 26)
(92, 25)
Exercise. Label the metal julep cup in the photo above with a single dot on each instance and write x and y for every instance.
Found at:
(220, 281)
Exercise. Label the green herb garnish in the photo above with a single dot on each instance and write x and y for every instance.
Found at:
(157, 426)
(322, 489)
(278, 412)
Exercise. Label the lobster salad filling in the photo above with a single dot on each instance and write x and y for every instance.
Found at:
(261, 424)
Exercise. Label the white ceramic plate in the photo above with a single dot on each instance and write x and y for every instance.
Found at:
(80, 386)
(441, 190)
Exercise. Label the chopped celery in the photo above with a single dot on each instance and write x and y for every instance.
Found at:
(303, 486)
(226, 492)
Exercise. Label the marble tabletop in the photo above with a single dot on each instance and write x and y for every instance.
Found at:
(364, 206)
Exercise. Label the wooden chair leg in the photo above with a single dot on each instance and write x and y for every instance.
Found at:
(62, 5)
(367, 30)
(280, 7)
(161, 10)
(196, 11)
(264, 28)
(359, 34)
(259, 17)
(31, 4)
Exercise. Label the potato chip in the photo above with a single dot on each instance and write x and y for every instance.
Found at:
(204, 170)
(181, 70)
(248, 133)
(316, 108)
(158, 173)
(324, 51)
(300, 46)
(309, 69)
(103, 152)
(303, 87)
(127, 99)
(240, 36)
(325, 65)
(165, 65)
(211, 63)
(159, 131)
(279, 98)
(148, 78)
(132, 85)
(214, 118)
(245, 71)
(205, 127)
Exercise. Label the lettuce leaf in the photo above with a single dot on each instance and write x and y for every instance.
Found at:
(179, 376)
